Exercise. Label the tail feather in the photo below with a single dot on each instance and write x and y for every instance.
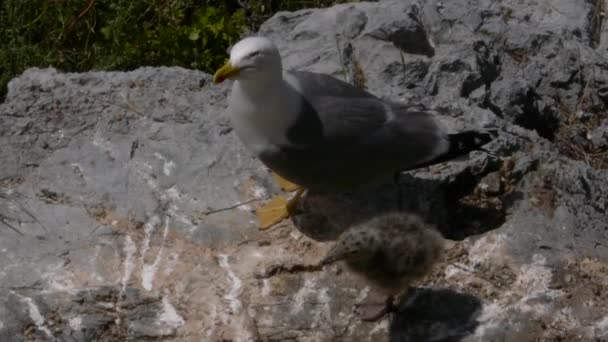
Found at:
(465, 142)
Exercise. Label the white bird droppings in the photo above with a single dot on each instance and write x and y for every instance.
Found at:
(35, 315)
(75, 323)
(234, 294)
(149, 271)
(130, 250)
(169, 315)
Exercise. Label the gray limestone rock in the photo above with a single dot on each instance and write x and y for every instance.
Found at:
(126, 202)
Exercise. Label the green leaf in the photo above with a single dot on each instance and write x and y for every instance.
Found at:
(106, 32)
(194, 35)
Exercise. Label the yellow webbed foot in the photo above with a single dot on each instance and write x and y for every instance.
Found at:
(285, 184)
(277, 209)
(272, 212)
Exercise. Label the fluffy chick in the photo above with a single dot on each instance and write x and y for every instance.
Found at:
(390, 252)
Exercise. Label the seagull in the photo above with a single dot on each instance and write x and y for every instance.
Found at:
(316, 132)
(389, 251)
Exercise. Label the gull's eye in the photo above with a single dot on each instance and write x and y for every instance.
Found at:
(254, 53)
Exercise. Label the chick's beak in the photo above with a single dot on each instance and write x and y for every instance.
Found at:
(226, 71)
(331, 257)
(325, 261)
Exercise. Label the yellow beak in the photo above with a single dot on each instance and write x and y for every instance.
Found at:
(226, 71)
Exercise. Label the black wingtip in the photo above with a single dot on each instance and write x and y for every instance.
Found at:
(464, 142)
(467, 141)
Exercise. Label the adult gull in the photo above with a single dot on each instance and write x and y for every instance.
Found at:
(317, 132)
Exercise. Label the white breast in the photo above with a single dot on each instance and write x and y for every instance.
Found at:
(261, 116)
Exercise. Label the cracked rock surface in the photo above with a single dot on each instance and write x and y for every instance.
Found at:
(126, 201)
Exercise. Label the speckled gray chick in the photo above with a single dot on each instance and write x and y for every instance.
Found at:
(390, 251)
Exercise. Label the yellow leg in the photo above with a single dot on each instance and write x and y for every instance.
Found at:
(285, 184)
(278, 209)
(293, 202)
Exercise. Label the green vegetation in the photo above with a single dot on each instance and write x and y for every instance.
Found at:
(259, 10)
(80, 35)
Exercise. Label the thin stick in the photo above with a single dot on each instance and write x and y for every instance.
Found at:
(215, 211)
(11, 226)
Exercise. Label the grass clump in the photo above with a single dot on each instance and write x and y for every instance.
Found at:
(81, 35)
(76, 35)
(257, 11)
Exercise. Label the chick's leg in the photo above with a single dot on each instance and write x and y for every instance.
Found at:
(374, 312)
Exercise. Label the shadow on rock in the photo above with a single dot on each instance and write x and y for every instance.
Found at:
(454, 204)
(324, 215)
(435, 315)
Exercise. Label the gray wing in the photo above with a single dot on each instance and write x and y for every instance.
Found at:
(342, 129)
(346, 115)
(319, 85)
